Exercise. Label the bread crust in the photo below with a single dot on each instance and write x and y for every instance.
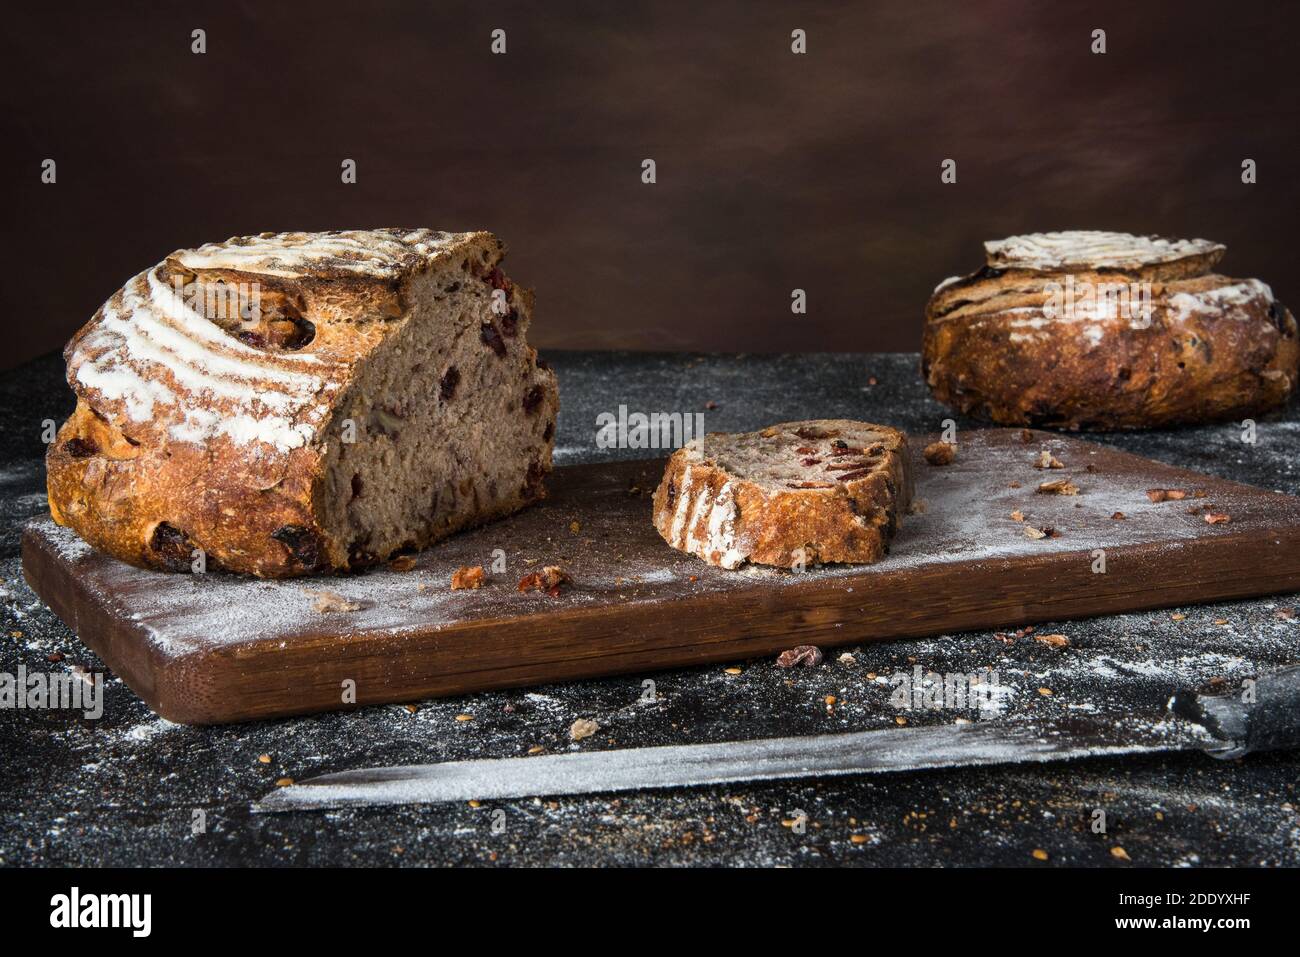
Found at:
(186, 437)
(725, 519)
(1204, 347)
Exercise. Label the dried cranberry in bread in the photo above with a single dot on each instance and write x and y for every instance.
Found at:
(825, 490)
(295, 402)
(1093, 330)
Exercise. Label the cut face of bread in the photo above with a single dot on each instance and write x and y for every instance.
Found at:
(291, 403)
(1104, 330)
(797, 493)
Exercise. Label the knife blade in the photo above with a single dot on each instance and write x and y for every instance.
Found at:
(1223, 725)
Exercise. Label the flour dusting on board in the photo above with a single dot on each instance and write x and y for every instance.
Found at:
(616, 558)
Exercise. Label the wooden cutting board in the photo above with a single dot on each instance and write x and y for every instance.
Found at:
(216, 648)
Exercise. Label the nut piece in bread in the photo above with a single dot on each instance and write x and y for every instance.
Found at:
(1095, 330)
(297, 402)
(797, 493)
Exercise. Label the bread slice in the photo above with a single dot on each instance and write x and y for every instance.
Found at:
(1078, 250)
(291, 403)
(797, 493)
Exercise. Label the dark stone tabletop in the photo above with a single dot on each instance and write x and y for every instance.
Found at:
(125, 789)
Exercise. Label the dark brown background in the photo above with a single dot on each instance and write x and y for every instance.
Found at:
(775, 171)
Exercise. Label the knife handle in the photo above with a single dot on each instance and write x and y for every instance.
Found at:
(1262, 717)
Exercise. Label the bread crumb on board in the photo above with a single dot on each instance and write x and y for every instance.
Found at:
(329, 602)
(1058, 487)
(1166, 494)
(1037, 533)
(940, 453)
(402, 563)
(468, 576)
(548, 580)
(583, 728)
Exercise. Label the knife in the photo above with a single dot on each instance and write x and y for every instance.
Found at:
(1265, 716)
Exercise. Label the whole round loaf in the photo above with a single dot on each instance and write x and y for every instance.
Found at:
(796, 493)
(1093, 330)
(291, 403)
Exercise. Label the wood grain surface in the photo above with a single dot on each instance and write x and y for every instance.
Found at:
(215, 648)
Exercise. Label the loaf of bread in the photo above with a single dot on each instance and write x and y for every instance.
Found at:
(1096, 330)
(290, 403)
(797, 493)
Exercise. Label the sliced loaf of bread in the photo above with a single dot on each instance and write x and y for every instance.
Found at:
(793, 494)
(291, 403)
